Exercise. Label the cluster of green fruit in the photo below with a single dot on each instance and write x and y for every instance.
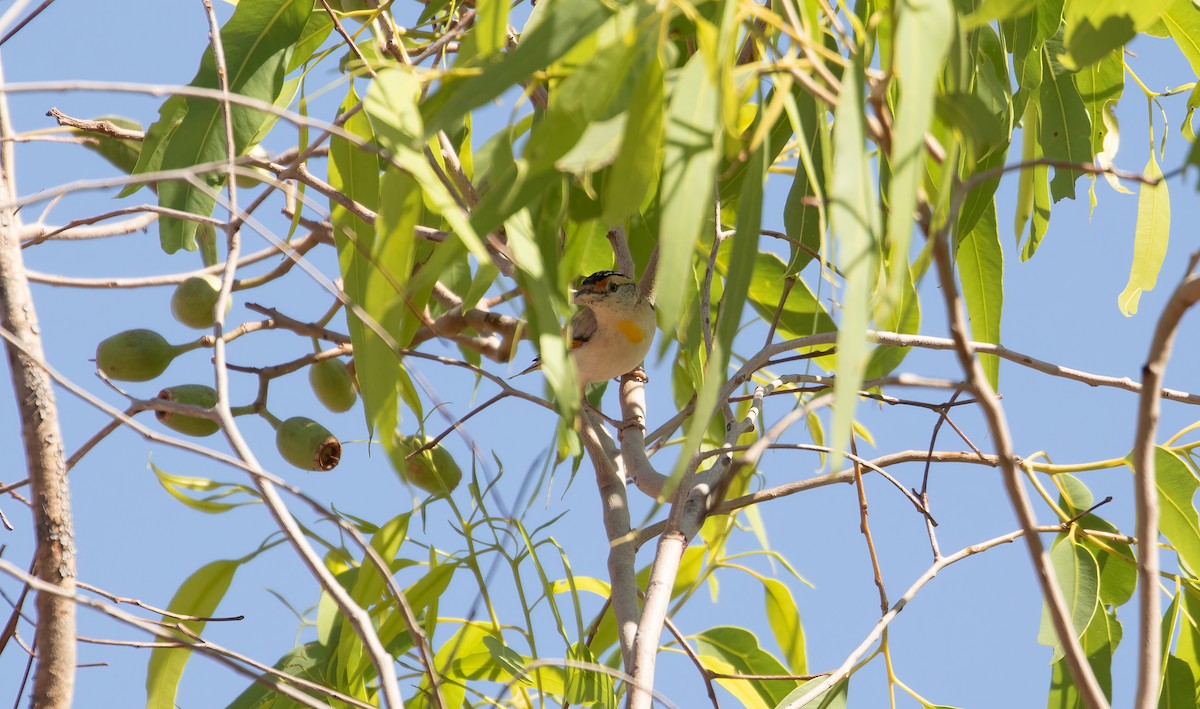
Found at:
(141, 355)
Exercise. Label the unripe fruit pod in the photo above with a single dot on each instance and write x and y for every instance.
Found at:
(193, 301)
(196, 395)
(307, 444)
(433, 470)
(332, 384)
(134, 355)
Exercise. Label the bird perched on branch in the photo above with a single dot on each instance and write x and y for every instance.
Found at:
(612, 332)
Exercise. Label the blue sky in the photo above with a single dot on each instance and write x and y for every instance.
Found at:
(967, 640)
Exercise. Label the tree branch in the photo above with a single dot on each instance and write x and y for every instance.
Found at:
(54, 558)
(1081, 672)
(1146, 492)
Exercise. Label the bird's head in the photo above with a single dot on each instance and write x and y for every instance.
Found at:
(606, 289)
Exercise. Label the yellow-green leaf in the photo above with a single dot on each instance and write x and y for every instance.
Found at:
(689, 162)
(923, 33)
(199, 596)
(854, 217)
(1153, 228)
(980, 261)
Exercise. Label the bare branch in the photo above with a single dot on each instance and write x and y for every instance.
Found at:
(41, 436)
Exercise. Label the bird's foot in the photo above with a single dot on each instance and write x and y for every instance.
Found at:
(639, 373)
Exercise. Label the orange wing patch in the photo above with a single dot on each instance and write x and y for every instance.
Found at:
(631, 331)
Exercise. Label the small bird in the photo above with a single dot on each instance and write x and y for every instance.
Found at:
(612, 332)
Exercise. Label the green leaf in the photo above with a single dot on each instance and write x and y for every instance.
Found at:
(835, 697)
(309, 661)
(980, 262)
(258, 40)
(1096, 27)
(560, 27)
(1178, 521)
(738, 275)
(971, 117)
(635, 170)
(199, 596)
(355, 173)
(689, 161)
(854, 218)
(1033, 190)
(1182, 19)
(367, 591)
(784, 619)
(491, 25)
(802, 217)
(179, 485)
(991, 10)
(1074, 496)
(1118, 571)
(391, 103)
(123, 154)
(1064, 131)
(1150, 237)
(587, 687)
(1099, 84)
(923, 35)
(735, 651)
(542, 311)
(1099, 643)
(463, 657)
(1078, 575)
(1178, 686)
(1187, 647)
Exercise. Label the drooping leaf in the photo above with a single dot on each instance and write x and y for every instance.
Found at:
(561, 26)
(1096, 28)
(1099, 643)
(1033, 190)
(180, 485)
(1153, 229)
(802, 212)
(980, 261)
(689, 161)
(1182, 19)
(738, 275)
(1077, 575)
(198, 596)
(1178, 687)
(923, 35)
(1064, 132)
(1178, 520)
(355, 173)
(855, 221)
(258, 40)
(635, 169)
(1099, 84)
(784, 619)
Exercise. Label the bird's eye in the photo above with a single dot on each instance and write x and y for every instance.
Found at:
(612, 287)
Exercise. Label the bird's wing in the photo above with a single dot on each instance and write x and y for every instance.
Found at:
(583, 326)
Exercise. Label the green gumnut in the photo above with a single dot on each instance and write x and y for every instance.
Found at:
(194, 300)
(333, 385)
(433, 469)
(195, 395)
(134, 355)
(307, 444)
